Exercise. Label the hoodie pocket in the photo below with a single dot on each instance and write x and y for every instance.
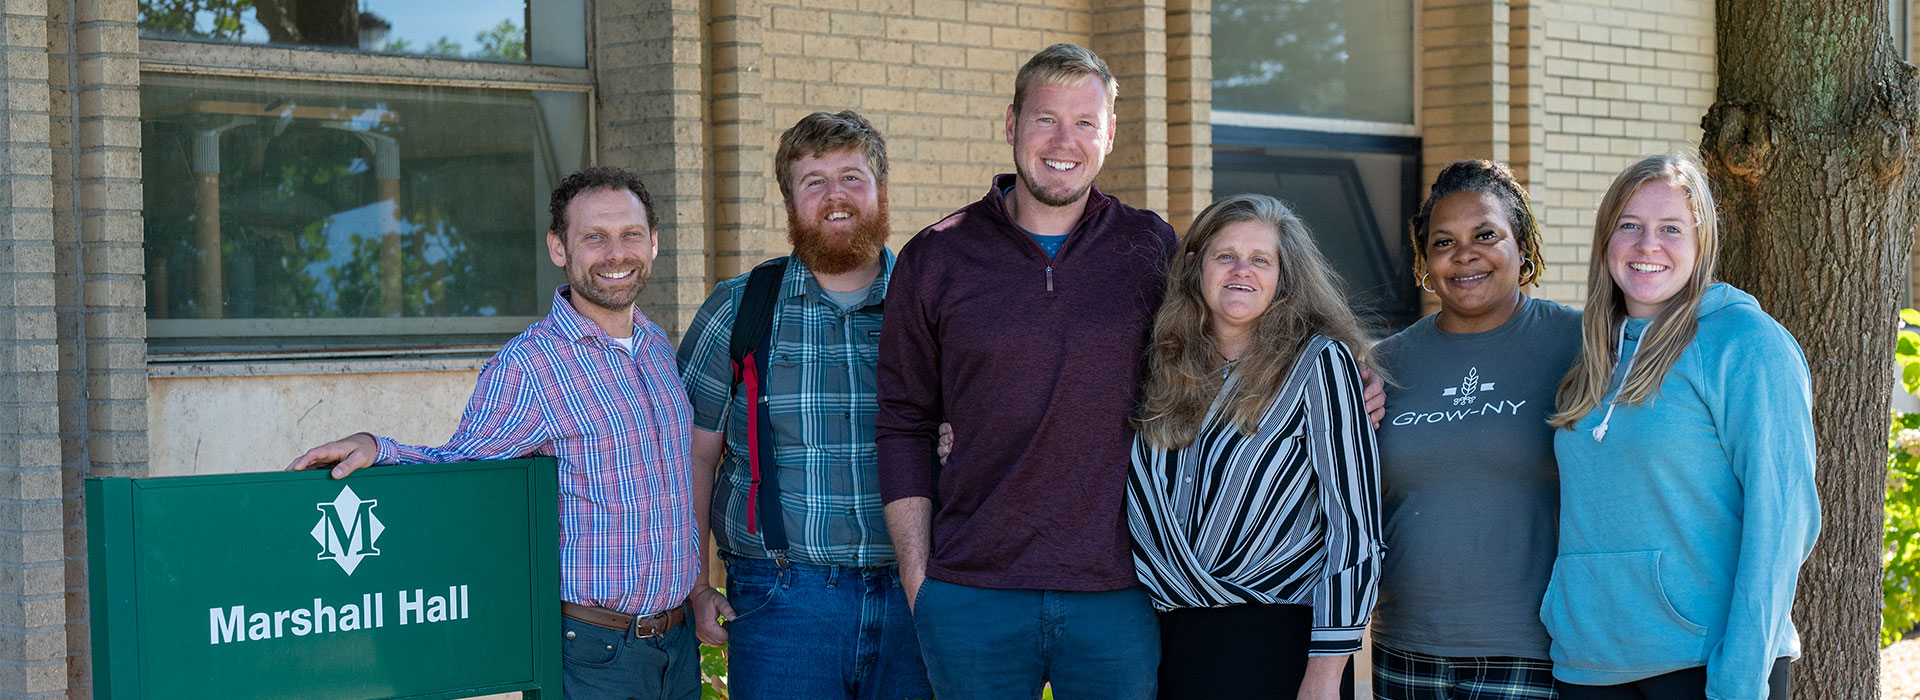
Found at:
(1609, 612)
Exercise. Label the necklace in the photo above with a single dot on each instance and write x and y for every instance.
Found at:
(1227, 368)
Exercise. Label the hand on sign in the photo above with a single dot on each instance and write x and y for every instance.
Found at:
(709, 607)
(345, 455)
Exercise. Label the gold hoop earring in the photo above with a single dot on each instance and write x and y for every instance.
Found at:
(1423, 282)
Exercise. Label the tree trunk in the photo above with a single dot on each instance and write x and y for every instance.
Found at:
(309, 22)
(1810, 148)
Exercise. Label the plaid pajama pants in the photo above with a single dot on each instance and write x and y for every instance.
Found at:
(1405, 675)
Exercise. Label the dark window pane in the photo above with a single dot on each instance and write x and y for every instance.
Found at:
(490, 30)
(1341, 59)
(297, 203)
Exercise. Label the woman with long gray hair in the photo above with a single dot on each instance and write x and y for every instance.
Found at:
(1254, 495)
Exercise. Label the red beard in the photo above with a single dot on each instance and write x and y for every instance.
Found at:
(832, 254)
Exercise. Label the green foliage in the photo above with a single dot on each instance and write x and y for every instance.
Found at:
(1900, 544)
(442, 47)
(713, 669)
(181, 17)
(1906, 352)
(713, 672)
(504, 41)
(1261, 53)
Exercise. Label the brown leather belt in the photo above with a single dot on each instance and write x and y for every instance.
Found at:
(644, 626)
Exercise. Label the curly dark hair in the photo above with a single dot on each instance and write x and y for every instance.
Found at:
(594, 179)
(1492, 178)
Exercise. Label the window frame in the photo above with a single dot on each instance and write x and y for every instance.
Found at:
(1899, 25)
(210, 339)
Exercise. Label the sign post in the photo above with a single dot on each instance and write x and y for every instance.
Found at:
(423, 582)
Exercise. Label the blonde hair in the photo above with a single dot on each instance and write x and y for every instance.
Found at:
(1183, 360)
(1673, 326)
(1063, 64)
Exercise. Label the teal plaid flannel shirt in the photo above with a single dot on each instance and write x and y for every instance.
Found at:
(820, 386)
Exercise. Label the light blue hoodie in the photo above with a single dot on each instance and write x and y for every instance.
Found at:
(1683, 531)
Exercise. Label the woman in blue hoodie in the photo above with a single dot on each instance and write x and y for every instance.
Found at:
(1687, 499)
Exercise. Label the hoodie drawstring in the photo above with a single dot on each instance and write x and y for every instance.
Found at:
(1600, 431)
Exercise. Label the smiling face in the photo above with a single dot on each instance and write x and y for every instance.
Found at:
(1060, 137)
(1654, 247)
(837, 219)
(1473, 262)
(607, 251)
(1239, 276)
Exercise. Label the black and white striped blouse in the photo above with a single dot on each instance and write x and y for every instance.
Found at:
(1290, 514)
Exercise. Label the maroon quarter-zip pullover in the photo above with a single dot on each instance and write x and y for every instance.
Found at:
(1037, 365)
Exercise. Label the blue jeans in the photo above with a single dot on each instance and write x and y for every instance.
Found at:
(820, 632)
(606, 664)
(995, 644)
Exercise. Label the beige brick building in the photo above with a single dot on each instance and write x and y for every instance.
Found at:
(217, 249)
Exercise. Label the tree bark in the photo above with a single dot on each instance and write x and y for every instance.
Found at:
(1810, 148)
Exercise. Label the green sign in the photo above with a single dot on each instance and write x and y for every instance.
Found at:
(425, 581)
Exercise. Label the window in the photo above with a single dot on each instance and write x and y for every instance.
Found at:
(1313, 103)
(491, 30)
(1332, 59)
(337, 200)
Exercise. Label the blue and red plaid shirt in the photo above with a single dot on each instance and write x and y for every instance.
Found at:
(621, 428)
(820, 394)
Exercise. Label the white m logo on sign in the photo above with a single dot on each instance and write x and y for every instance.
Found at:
(347, 530)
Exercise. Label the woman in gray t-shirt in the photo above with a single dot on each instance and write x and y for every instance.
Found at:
(1470, 494)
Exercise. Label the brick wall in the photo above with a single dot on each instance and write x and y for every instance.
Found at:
(95, 135)
(1466, 88)
(1132, 36)
(1189, 110)
(936, 76)
(742, 156)
(32, 661)
(650, 64)
(1622, 82)
(1568, 92)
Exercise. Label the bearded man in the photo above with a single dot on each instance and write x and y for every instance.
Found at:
(813, 606)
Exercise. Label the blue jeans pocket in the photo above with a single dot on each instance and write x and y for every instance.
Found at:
(591, 646)
(921, 595)
(750, 592)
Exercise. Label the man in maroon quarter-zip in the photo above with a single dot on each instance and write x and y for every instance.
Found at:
(1021, 319)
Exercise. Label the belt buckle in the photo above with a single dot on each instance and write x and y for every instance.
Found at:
(649, 626)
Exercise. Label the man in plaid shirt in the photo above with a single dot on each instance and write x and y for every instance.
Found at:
(593, 385)
(825, 617)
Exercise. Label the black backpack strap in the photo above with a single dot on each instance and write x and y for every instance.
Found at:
(748, 347)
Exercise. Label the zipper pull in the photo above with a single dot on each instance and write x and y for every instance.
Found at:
(1049, 278)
